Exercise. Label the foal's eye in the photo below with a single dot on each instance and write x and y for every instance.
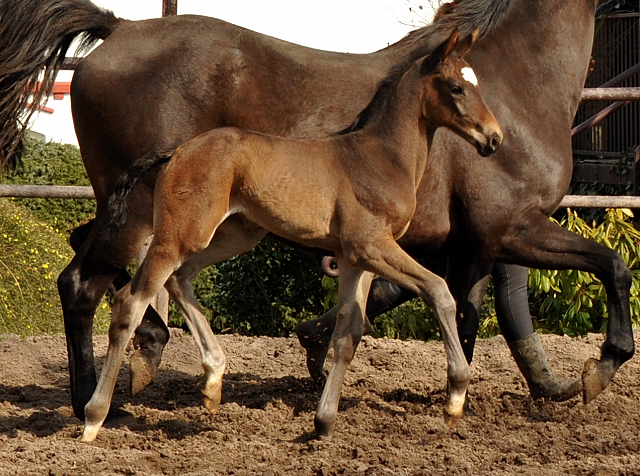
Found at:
(455, 89)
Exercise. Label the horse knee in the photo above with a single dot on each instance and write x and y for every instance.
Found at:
(440, 299)
(77, 296)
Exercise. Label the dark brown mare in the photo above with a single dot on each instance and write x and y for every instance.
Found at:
(199, 73)
(358, 201)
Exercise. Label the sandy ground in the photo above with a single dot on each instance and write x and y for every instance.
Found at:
(389, 421)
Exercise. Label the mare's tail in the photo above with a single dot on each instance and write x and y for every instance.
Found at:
(116, 215)
(34, 39)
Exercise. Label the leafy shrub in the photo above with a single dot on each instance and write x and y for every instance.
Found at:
(34, 241)
(263, 292)
(32, 254)
(574, 302)
(53, 164)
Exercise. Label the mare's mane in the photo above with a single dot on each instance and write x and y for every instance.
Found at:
(465, 16)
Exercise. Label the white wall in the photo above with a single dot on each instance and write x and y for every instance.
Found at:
(56, 126)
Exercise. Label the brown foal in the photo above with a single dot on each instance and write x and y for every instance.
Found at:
(352, 194)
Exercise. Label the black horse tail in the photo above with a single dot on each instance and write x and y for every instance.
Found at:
(116, 215)
(34, 39)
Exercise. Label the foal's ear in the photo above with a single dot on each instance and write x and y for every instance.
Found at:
(441, 53)
(465, 44)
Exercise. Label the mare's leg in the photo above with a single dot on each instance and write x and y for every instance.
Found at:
(152, 334)
(512, 309)
(81, 285)
(387, 259)
(231, 239)
(467, 279)
(315, 334)
(128, 307)
(352, 294)
(542, 244)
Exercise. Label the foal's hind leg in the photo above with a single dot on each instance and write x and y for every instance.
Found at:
(128, 307)
(352, 296)
(231, 239)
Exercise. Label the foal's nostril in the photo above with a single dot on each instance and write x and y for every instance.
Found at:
(496, 140)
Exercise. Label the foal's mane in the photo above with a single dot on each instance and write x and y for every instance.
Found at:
(465, 15)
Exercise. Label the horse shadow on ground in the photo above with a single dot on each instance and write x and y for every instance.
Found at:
(174, 390)
(45, 420)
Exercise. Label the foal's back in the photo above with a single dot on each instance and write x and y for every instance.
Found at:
(305, 191)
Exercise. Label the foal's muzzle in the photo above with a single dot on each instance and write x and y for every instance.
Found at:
(490, 144)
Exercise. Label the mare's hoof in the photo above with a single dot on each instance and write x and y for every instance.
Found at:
(315, 366)
(314, 337)
(592, 384)
(142, 370)
(561, 390)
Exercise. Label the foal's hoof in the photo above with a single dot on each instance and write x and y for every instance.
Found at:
(212, 396)
(142, 370)
(592, 381)
(449, 419)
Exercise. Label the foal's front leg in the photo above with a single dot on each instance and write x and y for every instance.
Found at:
(352, 297)
(388, 260)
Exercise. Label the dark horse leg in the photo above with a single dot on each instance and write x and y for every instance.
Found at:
(81, 285)
(542, 244)
(315, 334)
(150, 337)
(512, 309)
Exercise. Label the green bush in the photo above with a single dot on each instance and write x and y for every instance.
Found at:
(53, 164)
(32, 254)
(263, 292)
(34, 241)
(574, 302)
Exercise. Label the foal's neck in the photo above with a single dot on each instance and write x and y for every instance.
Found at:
(398, 126)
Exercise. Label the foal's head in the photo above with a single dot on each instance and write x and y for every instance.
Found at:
(451, 98)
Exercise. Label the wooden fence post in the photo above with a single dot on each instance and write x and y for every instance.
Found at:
(169, 7)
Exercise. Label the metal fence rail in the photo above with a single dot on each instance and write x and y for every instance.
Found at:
(86, 193)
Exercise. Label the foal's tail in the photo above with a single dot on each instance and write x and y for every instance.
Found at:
(116, 215)
(34, 39)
